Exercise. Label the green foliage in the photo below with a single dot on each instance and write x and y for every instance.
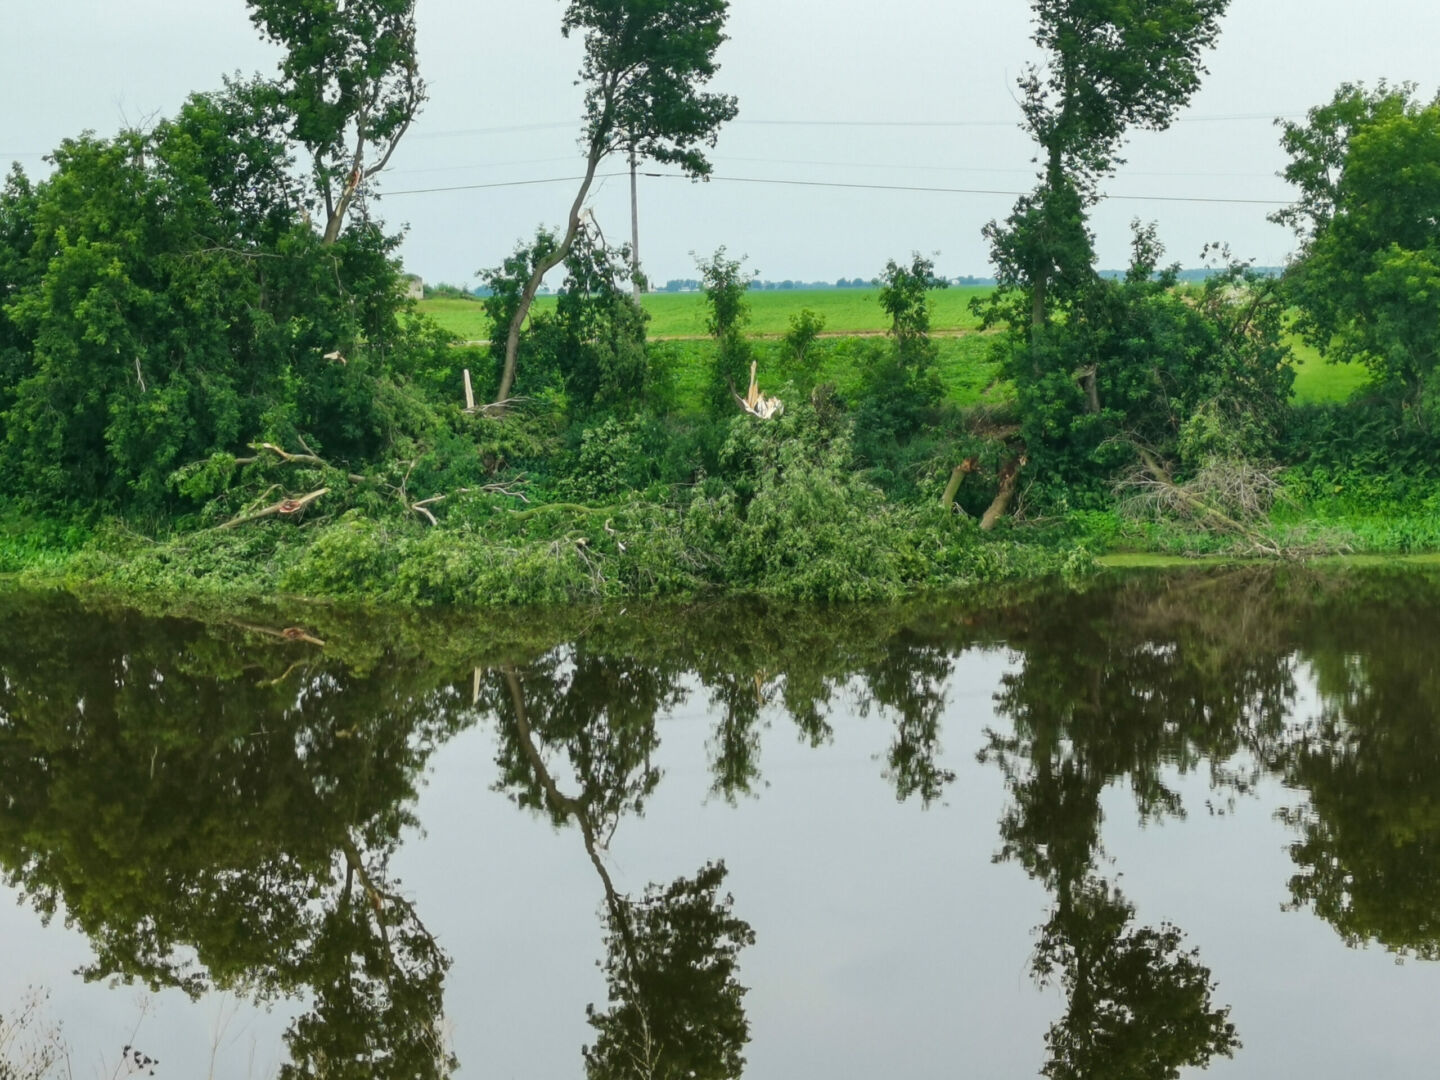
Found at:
(725, 285)
(615, 458)
(904, 297)
(173, 304)
(506, 284)
(805, 328)
(644, 70)
(350, 65)
(601, 329)
(1367, 280)
(1138, 364)
(1111, 65)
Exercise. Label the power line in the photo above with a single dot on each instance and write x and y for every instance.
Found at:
(962, 191)
(892, 165)
(516, 129)
(511, 129)
(480, 165)
(993, 123)
(956, 168)
(841, 185)
(504, 184)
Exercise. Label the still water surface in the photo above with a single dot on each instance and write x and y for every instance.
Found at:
(1165, 825)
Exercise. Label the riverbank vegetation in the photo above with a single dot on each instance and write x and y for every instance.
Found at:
(211, 382)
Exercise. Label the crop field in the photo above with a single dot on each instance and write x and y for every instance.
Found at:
(677, 321)
(682, 315)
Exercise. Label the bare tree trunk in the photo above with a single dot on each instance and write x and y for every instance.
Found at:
(527, 297)
(1092, 390)
(1039, 289)
(1040, 285)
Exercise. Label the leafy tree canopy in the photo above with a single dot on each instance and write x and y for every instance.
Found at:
(1367, 279)
(350, 83)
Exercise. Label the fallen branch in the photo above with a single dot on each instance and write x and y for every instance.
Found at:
(497, 408)
(296, 459)
(422, 506)
(1250, 490)
(284, 507)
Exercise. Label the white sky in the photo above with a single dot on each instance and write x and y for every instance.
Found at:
(504, 108)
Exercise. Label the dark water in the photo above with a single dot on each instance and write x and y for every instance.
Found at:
(1165, 823)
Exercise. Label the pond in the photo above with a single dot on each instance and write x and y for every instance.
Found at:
(1158, 825)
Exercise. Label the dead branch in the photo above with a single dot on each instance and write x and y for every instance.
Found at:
(422, 506)
(501, 489)
(497, 408)
(1224, 496)
(284, 507)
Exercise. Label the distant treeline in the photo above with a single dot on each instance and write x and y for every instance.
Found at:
(684, 285)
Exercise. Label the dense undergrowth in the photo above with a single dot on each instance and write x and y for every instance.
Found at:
(200, 396)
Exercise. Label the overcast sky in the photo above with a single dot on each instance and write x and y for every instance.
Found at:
(906, 93)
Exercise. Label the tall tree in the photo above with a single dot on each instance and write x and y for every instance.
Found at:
(351, 81)
(645, 67)
(1111, 65)
(1367, 280)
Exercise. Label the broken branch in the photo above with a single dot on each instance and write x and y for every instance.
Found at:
(284, 507)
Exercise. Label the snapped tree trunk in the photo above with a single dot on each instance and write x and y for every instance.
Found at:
(952, 489)
(1009, 479)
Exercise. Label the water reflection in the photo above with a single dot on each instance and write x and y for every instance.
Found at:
(675, 1003)
(214, 805)
(214, 812)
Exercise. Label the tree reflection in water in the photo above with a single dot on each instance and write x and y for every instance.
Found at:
(216, 808)
(216, 811)
(675, 1003)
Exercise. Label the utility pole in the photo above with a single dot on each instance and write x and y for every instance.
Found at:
(634, 228)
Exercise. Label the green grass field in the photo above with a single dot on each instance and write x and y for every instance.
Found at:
(1318, 382)
(965, 367)
(967, 371)
(682, 315)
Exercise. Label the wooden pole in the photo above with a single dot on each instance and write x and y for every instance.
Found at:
(634, 228)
